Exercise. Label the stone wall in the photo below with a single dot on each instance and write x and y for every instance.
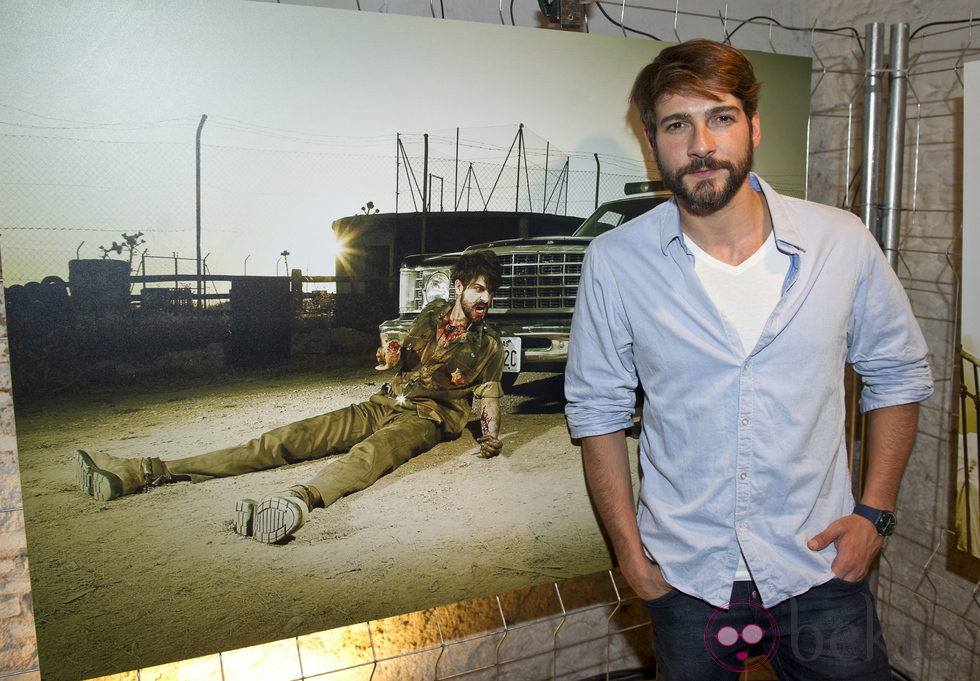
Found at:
(18, 649)
(927, 592)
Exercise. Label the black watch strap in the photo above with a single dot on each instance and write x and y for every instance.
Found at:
(884, 521)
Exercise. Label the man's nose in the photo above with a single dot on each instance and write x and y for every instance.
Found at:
(702, 142)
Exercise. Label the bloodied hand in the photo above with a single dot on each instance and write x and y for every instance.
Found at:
(388, 355)
(489, 446)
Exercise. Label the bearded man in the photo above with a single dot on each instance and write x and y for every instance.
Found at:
(736, 309)
(449, 356)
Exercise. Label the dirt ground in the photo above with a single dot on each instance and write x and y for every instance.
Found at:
(160, 576)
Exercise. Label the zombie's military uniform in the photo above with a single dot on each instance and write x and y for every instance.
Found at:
(429, 400)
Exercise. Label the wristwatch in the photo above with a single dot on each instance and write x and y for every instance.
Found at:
(884, 521)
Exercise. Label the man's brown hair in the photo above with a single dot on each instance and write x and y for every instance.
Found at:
(475, 263)
(697, 67)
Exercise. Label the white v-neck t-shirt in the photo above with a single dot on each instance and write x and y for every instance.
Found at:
(745, 295)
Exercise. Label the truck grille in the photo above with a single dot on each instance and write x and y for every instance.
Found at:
(539, 280)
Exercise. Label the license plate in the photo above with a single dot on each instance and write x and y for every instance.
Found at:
(512, 353)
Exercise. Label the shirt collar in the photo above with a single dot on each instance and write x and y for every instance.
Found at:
(789, 237)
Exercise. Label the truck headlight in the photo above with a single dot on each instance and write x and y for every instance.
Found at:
(406, 291)
(436, 285)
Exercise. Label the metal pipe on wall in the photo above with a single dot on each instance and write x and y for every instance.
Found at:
(873, 60)
(867, 205)
(898, 63)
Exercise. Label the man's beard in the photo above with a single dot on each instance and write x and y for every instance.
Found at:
(704, 198)
(469, 309)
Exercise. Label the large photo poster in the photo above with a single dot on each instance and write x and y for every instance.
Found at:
(967, 468)
(204, 210)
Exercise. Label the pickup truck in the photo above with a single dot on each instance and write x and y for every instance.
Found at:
(532, 309)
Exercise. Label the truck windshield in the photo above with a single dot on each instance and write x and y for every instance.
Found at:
(615, 213)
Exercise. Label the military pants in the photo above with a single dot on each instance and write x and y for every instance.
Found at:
(377, 436)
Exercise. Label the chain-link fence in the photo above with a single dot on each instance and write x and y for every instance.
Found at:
(64, 197)
(506, 168)
(268, 197)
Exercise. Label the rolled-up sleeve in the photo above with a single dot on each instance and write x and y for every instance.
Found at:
(490, 389)
(600, 378)
(885, 343)
(489, 385)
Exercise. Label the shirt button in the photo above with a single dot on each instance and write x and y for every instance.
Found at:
(742, 475)
(744, 422)
(745, 367)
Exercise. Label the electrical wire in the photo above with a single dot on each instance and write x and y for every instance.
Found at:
(846, 29)
(622, 26)
(512, 23)
(85, 125)
(944, 23)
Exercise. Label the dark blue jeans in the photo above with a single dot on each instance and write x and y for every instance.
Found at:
(829, 633)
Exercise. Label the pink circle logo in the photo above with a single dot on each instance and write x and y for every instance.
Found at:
(720, 641)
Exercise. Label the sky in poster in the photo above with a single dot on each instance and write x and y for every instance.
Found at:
(102, 102)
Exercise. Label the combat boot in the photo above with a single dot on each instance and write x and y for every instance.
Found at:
(276, 517)
(108, 477)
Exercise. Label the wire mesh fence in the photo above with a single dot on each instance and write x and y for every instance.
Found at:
(64, 197)
(268, 198)
(915, 589)
(506, 168)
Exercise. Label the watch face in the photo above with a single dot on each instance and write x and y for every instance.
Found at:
(886, 523)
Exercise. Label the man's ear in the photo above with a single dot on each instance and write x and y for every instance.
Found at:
(458, 286)
(756, 131)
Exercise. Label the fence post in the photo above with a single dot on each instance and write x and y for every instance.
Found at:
(425, 189)
(598, 171)
(520, 148)
(200, 282)
(456, 174)
(547, 158)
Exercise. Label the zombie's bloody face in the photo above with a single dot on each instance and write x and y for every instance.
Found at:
(474, 299)
(703, 149)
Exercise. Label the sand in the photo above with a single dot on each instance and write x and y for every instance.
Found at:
(159, 576)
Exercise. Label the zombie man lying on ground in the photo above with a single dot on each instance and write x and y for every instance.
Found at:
(449, 356)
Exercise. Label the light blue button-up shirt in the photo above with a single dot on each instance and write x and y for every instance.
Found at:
(740, 447)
